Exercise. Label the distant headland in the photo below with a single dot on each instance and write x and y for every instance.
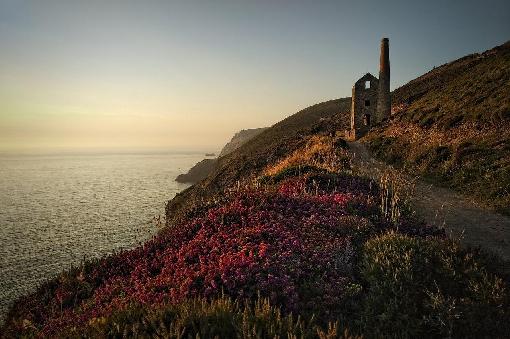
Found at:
(202, 169)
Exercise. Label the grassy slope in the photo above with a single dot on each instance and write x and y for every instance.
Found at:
(454, 125)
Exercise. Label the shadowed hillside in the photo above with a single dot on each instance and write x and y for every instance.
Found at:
(474, 88)
(452, 126)
(239, 139)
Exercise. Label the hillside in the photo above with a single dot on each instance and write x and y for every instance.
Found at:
(198, 172)
(239, 139)
(269, 146)
(454, 125)
(306, 251)
(289, 238)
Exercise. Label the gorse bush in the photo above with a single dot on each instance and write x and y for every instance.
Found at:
(430, 288)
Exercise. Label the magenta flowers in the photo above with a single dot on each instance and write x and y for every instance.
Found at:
(282, 243)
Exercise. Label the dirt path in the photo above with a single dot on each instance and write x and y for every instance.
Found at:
(443, 207)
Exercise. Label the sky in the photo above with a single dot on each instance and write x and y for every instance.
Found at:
(186, 75)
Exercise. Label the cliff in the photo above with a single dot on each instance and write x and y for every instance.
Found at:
(239, 139)
(203, 168)
(198, 172)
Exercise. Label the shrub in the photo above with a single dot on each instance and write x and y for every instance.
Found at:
(199, 318)
(430, 288)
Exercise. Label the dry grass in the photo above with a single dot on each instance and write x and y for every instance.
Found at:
(471, 158)
(396, 193)
(320, 152)
(436, 136)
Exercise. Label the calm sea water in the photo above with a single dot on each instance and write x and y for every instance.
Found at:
(56, 210)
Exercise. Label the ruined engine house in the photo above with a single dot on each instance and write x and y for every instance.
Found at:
(371, 101)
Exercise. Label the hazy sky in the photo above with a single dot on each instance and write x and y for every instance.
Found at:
(186, 75)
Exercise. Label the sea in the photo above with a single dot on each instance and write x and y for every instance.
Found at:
(57, 210)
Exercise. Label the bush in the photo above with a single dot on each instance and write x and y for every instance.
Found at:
(199, 318)
(430, 288)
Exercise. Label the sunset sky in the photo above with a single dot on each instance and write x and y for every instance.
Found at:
(186, 75)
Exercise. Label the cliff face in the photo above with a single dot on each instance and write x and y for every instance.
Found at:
(202, 169)
(240, 138)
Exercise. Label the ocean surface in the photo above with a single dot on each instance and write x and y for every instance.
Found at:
(57, 210)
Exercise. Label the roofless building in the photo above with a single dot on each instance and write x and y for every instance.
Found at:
(371, 101)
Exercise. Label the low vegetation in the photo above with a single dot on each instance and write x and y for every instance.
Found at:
(249, 160)
(320, 152)
(422, 287)
(218, 318)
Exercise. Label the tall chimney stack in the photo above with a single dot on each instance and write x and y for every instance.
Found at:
(383, 94)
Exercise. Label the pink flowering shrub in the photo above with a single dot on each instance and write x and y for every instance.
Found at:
(293, 247)
(314, 245)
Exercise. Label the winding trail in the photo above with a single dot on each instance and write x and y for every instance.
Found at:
(461, 217)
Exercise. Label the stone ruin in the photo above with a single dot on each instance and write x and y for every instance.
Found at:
(371, 101)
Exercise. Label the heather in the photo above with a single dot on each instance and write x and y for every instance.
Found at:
(295, 248)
